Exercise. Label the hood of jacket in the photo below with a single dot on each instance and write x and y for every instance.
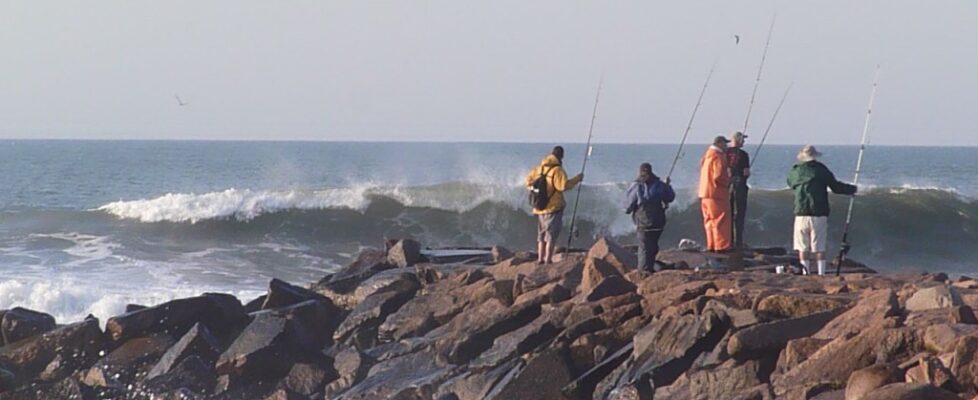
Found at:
(550, 161)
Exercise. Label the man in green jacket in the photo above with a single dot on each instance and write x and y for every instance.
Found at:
(810, 180)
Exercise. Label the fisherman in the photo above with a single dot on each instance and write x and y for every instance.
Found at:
(810, 181)
(739, 163)
(550, 209)
(646, 200)
(714, 194)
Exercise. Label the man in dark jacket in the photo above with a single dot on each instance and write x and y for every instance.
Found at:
(810, 180)
(646, 201)
(739, 163)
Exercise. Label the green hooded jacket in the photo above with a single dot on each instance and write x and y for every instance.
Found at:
(810, 181)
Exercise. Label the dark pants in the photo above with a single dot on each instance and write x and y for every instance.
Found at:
(738, 206)
(648, 249)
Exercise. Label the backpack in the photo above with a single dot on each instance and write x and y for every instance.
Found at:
(539, 196)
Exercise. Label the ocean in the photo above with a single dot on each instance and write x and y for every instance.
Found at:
(87, 227)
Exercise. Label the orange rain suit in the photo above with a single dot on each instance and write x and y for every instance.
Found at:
(714, 194)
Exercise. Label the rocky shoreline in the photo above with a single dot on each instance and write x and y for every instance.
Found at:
(406, 324)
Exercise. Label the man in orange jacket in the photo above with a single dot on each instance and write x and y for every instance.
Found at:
(714, 194)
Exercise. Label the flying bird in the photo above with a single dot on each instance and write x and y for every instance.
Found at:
(736, 39)
(180, 102)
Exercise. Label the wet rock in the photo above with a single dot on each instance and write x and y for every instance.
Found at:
(933, 297)
(587, 383)
(963, 315)
(612, 253)
(307, 379)
(77, 344)
(769, 338)
(413, 376)
(541, 378)
(909, 391)
(175, 317)
(351, 367)
(191, 374)
(198, 342)
(127, 362)
(284, 294)
(868, 379)
(475, 385)
(794, 305)
(871, 310)
(276, 339)
(20, 323)
(595, 271)
(404, 253)
(611, 286)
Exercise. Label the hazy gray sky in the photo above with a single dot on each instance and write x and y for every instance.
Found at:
(486, 71)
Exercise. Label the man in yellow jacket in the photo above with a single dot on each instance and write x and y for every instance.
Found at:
(550, 218)
(714, 194)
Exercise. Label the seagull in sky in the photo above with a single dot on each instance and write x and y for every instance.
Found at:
(180, 102)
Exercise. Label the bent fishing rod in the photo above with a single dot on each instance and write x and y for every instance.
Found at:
(760, 69)
(587, 155)
(845, 247)
(689, 126)
(774, 117)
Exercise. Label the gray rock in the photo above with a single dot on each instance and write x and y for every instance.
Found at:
(868, 379)
(198, 341)
(933, 297)
(20, 323)
(404, 253)
(770, 338)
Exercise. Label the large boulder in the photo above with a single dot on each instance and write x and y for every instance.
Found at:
(654, 303)
(794, 305)
(198, 342)
(872, 309)
(351, 367)
(797, 351)
(175, 317)
(943, 338)
(473, 332)
(307, 379)
(134, 358)
(769, 338)
(284, 294)
(277, 339)
(77, 345)
(412, 376)
(868, 379)
(940, 296)
(404, 253)
(726, 381)
(832, 364)
(615, 255)
(909, 391)
(965, 363)
(367, 316)
(595, 271)
(611, 286)
(540, 378)
(340, 286)
(523, 340)
(191, 378)
(20, 323)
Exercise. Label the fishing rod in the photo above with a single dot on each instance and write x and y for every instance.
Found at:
(689, 126)
(845, 247)
(587, 155)
(774, 117)
(757, 80)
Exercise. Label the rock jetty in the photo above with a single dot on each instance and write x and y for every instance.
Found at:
(408, 324)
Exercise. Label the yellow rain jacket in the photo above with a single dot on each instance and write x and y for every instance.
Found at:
(557, 183)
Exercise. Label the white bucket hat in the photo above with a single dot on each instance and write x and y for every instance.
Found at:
(808, 153)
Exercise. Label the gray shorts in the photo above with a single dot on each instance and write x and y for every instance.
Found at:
(549, 225)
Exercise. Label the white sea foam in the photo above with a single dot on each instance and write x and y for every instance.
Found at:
(70, 300)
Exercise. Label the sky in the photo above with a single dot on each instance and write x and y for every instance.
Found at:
(499, 71)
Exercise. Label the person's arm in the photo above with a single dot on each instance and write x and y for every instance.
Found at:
(572, 182)
(631, 199)
(668, 195)
(719, 173)
(839, 187)
(746, 164)
(559, 180)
